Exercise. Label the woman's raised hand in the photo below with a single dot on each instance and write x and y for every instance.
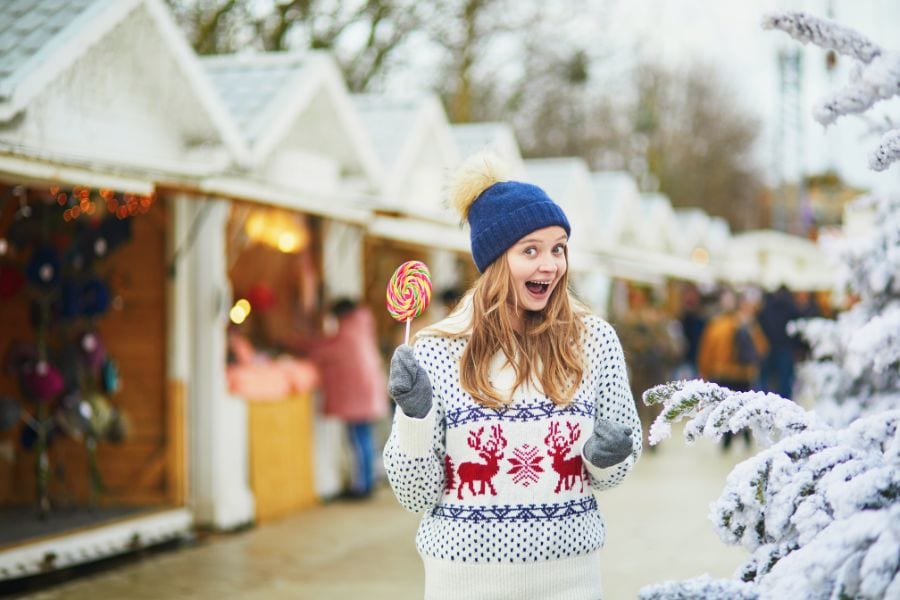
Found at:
(408, 383)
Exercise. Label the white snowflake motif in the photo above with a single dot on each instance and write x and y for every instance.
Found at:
(525, 467)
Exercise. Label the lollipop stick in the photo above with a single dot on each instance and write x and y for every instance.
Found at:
(406, 340)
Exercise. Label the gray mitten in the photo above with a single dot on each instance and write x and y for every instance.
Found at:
(408, 383)
(610, 444)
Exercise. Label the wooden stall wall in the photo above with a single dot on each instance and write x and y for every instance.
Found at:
(139, 470)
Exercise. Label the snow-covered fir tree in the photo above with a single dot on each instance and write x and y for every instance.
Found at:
(875, 76)
(818, 508)
(855, 362)
(855, 359)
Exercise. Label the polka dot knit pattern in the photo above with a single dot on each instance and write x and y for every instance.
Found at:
(510, 485)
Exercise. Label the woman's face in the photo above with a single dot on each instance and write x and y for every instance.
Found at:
(537, 262)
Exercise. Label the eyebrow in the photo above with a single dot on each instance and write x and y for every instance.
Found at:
(536, 241)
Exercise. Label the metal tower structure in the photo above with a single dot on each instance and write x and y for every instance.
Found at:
(789, 140)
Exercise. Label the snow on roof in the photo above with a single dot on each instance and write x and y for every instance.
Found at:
(657, 225)
(770, 258)
(568, 181)
(32, 30)
(253, 86)
(718, 234)
(496, 136)
(44, 41)
(269, 93)
(413, 138)
(473, 137)
(556, 176)
(389, 122)
(249, 87)
(615, 197)
(693, 224)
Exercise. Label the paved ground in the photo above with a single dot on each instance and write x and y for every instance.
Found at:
(657, 530)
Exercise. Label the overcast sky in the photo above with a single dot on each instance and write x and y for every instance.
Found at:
(728, 33)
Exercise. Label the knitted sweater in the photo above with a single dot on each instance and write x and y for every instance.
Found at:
(508, 485)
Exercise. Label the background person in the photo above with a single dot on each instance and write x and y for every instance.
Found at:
(725, 357)
(354, 386)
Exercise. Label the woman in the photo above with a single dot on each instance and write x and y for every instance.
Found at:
(511, 410)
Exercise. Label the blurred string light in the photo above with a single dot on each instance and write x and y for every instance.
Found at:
(240, 311)
(82, 201)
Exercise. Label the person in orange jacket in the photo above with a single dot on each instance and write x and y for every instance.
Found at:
(732, 347)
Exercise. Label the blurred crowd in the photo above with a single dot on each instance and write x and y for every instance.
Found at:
(735, 338)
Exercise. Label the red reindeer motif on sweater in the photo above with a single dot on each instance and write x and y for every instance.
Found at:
(470, 472)
(567, 468)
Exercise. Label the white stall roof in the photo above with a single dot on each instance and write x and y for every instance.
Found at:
(79, 70)
(29, 35)
(771, 258)
(616, 199)
(413, 140)
(656, 226)
(389, 122)
(495, 136)
(568, 182)
(692, 227)
(294, 102)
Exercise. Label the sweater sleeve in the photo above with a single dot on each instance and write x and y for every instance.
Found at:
(613, 401)
(414, 453)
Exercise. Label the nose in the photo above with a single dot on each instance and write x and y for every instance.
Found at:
(547, 266)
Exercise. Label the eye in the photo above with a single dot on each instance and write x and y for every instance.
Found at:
(530, 251)
(559, 249)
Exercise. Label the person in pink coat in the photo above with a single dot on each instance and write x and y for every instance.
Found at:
(354, 385)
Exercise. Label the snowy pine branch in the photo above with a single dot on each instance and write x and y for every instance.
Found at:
(712, 410)
(790, 499)
(877, 81)
(818, 508)
(852, 558)
(876, 77)
(823, 32)
(870, 266)
(887, 151)
(700, 587)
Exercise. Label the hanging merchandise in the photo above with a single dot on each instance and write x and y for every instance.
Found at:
(53, 248)
(11, 281)
(10, 412)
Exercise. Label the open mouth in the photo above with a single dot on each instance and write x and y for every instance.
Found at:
(538, 288)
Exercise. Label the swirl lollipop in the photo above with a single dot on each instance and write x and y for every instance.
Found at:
(409, 292)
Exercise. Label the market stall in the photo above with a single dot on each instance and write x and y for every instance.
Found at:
(100, 102)
(298, 208)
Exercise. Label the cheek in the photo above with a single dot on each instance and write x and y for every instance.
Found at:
(518, 271)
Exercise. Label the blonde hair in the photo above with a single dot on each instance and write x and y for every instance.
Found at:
(548, 350)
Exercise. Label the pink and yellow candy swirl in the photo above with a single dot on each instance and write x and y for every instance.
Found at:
(409, 290)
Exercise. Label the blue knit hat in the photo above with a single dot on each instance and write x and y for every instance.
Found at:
(506, 212)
